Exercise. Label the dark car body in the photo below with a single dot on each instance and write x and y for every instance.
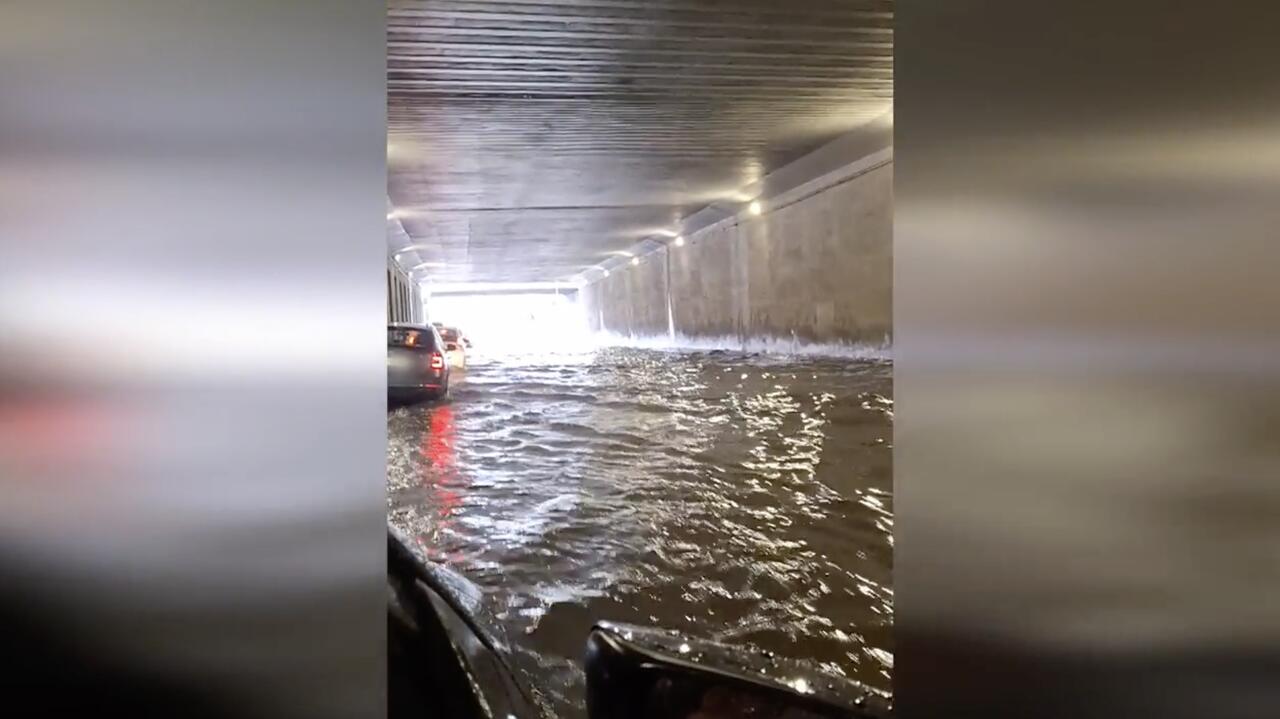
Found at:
(417, 368)
(449, 656)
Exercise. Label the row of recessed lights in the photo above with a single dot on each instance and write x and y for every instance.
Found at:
(394, 215)
(754, 208)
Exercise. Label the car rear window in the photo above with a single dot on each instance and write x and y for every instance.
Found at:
(408, 337)
(449, 334)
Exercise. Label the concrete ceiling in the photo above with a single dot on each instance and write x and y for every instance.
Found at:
(529, 139)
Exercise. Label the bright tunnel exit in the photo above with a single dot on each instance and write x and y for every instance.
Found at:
(518, 323)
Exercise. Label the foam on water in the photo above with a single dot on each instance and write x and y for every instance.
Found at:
(765, 345)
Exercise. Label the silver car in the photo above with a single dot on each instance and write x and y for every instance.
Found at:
(416, 365)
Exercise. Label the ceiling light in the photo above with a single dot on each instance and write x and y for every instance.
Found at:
(755, 208)
(635, 260)
(606, 273)
(679, 241)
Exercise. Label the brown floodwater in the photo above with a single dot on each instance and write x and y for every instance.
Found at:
(740, 498)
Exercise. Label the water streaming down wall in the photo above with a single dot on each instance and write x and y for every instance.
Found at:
(816, 267)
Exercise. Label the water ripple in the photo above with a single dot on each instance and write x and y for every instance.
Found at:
(738, 498)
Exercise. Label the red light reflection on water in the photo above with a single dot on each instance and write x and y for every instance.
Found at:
(441, 477)
(438, 443)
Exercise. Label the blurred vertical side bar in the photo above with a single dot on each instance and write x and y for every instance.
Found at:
(192, 410)
(1087, 448)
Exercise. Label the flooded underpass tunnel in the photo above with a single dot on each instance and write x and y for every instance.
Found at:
(655, 239)
(743, 498)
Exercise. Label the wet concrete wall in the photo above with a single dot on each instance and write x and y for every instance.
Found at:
(646, 292)
(631, 301)
(816, 265)
(707, 283)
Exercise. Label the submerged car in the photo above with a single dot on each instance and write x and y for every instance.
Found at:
(455, 346)
(416, 366)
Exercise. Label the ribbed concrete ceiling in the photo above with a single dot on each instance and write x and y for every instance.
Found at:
(530, 139)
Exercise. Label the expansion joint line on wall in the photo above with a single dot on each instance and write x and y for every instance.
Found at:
(823, 187)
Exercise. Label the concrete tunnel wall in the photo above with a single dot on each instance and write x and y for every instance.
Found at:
(818, 262)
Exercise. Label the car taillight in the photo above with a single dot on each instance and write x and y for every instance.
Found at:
(437, 360)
